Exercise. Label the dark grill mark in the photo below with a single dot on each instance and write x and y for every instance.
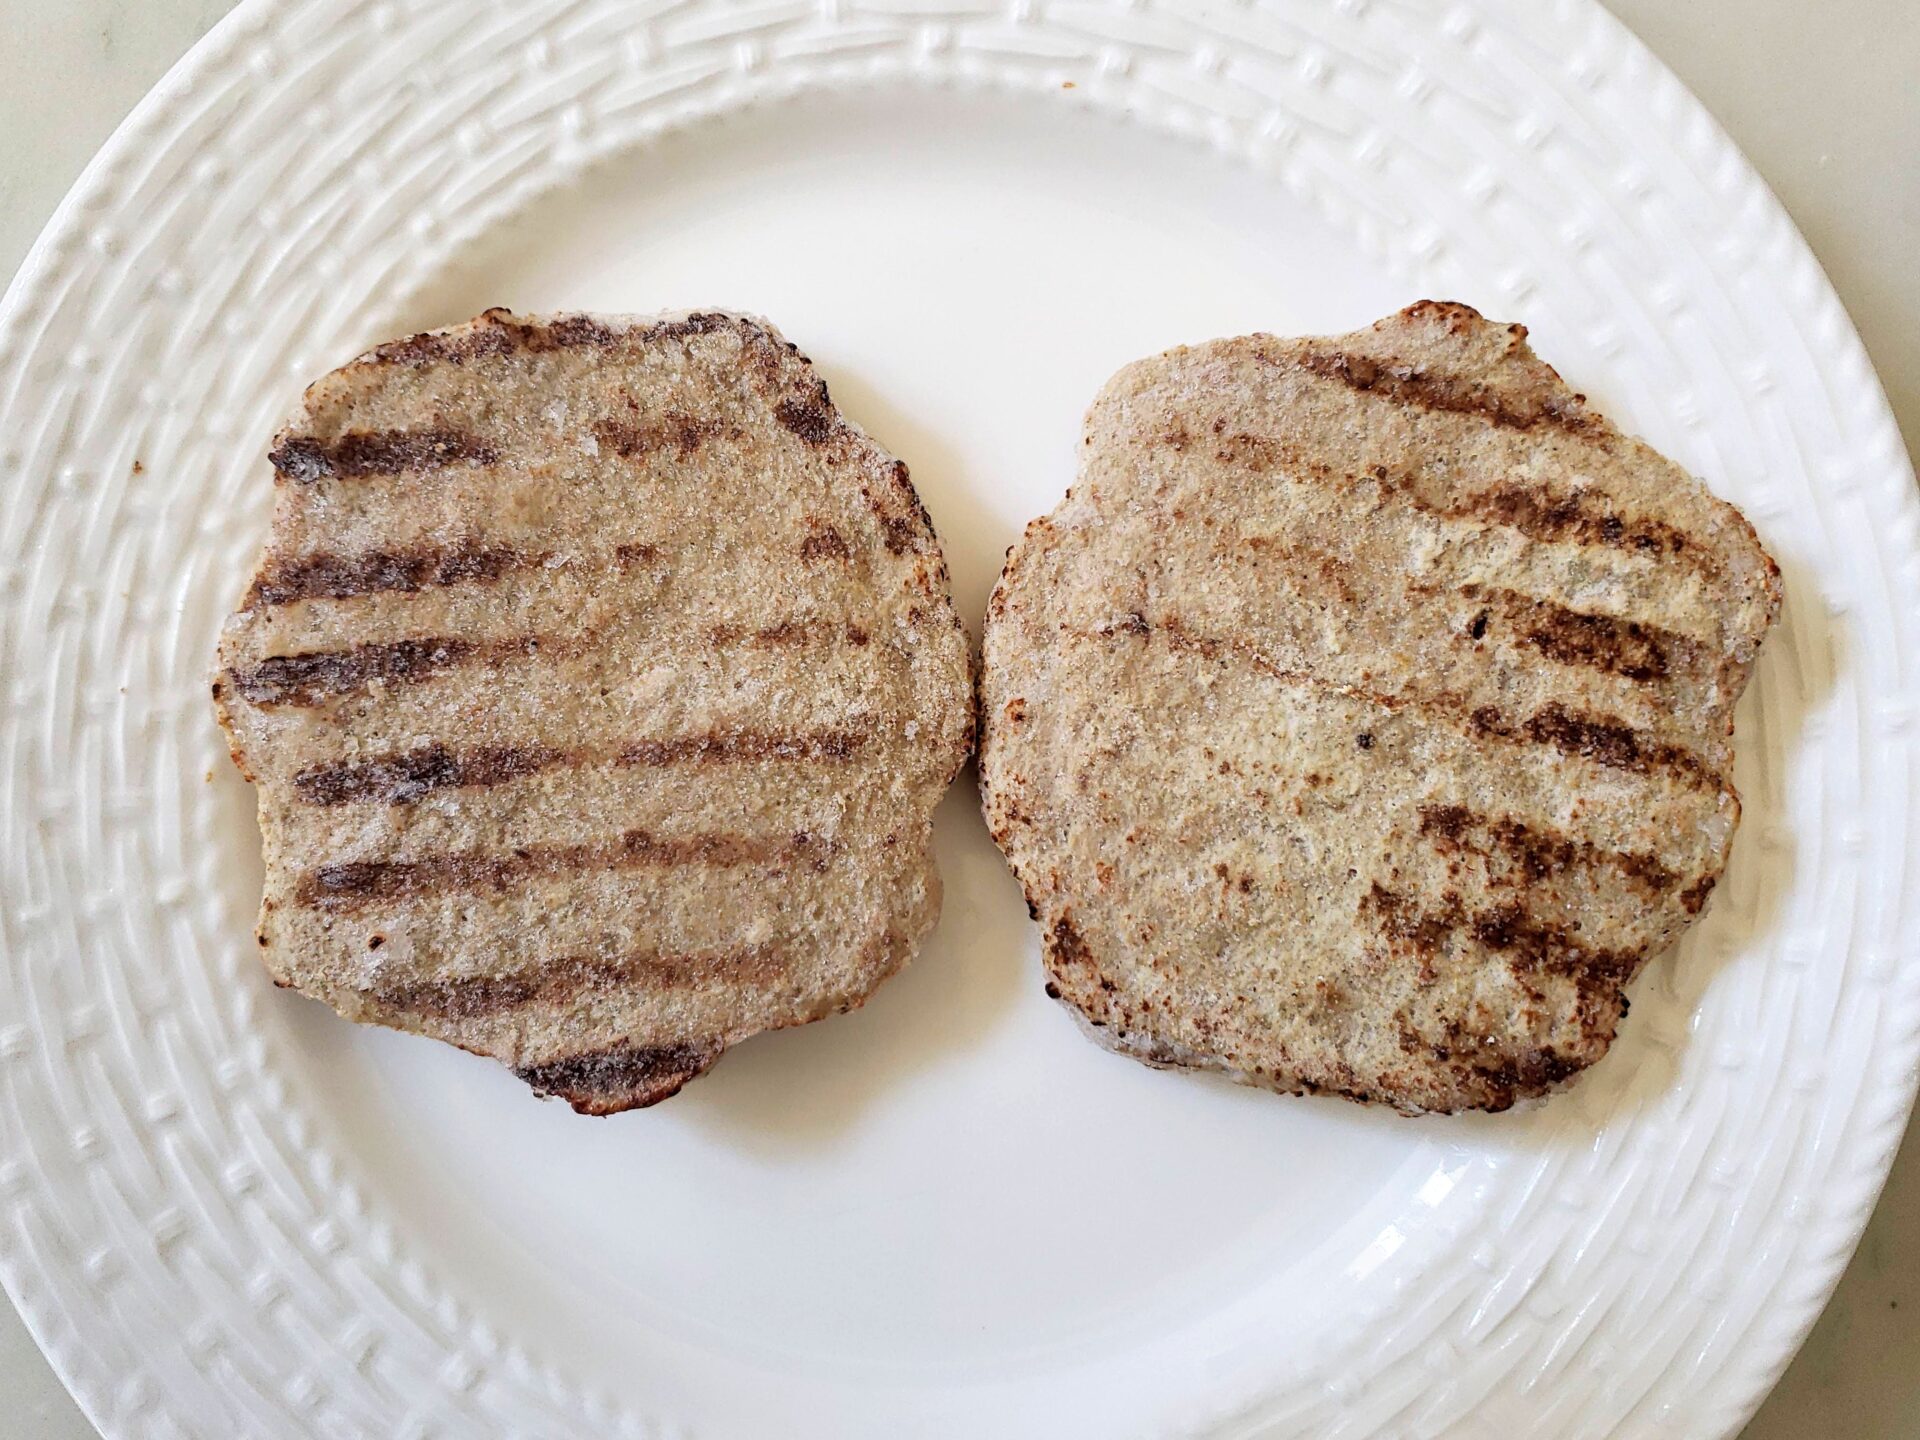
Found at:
(1534, 854)
(498, 333)
(562, 981)
(318, 676)
(1541, 513)
(811, 419)
(1399, 918)
(406, 778)
(403, 779)
(721, 746)
(312, 678)
(601, 1082)
(1628, 648)
(683, 434)
(307, 459)
(329, 576)
(787, 632)
(825, 543)
(1598, 738)
(1066, 949)
(1537, 512)
(1532, 946)
(1409, 385)
(1537, 946)
(359, 883)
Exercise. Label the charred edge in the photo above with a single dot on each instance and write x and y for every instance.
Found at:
(329, 576)
(682, 434)
(825, 543)
(307, 459)
(318, 676)
(364, 882)
(1537, 854)
(475, 996)
(721, 746)
(624, 1077)
(1454, 394)
(1626, 648)
(404, 779)
(1694, 897)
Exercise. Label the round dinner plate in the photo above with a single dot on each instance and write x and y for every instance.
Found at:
(225, 1212)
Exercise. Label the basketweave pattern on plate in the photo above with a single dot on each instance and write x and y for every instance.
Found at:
(157, 1164)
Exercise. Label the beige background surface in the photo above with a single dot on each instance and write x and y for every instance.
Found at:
(1823, 95)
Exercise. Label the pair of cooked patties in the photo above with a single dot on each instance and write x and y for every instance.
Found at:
(1360, 723)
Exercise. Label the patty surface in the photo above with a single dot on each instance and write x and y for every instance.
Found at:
(1362, 721)
(599, 681)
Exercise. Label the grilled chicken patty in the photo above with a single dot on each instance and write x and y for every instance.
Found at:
(1362, 722)
(599, 681)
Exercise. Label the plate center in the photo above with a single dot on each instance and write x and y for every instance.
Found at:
(953, 1177)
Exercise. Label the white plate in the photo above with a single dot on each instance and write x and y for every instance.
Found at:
(225, 1212)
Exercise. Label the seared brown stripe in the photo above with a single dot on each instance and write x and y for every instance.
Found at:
(1627, 648)
(1533, 945)
(812, 418)
(1539, 512)
(359, 883)
(317, 676)
(789, 632)
(307, 459)
(683, 434)
(561, 981)
(314, 677)
(724, 745)
(1535, 854)
(501, 334)
(1410, 385)
(824, 542)
(403, 779)
(603, 1081)
(325, 575)
(1598, 738)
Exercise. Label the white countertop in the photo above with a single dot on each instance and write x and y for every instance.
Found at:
(1825, 99)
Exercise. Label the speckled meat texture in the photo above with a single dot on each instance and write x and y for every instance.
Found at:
(1363, 720)
(599, 681)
